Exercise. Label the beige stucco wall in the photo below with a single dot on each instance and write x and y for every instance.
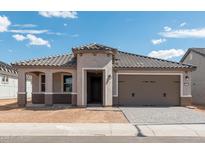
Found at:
(56, 78)
(198, 77)
(89, 61)
(35, 82)
(57, 81)
(114, 83)
(187, 84)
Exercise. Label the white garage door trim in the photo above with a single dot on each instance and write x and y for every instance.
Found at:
(180, 74)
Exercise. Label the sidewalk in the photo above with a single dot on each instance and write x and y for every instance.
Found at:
(67, 129)
(100, 129)
(194, 130)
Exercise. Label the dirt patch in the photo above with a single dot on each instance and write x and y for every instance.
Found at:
(200, 108)
(11, 113)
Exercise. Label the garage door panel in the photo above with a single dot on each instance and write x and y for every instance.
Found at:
(137, 90)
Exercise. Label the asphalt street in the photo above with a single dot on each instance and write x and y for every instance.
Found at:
(99, 139)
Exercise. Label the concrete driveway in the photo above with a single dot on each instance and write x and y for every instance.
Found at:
(163, 115)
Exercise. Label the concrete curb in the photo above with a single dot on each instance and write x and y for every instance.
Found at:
(192, 130)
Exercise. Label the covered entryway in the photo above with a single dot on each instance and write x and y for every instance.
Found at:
(94, 87)
(149, 90)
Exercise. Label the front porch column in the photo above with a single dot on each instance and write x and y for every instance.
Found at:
(74, 88)
(22, 97)
(49, 88)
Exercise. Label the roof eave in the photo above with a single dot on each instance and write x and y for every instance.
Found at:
(42, 66)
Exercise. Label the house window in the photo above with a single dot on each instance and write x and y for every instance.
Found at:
(43, 83)
(5, 79)
(67, 83)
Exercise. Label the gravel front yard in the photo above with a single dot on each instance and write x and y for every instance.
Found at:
(10, 113)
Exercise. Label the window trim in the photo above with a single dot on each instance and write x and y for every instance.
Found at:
(62, 83)
(40, 76)
(4, 77)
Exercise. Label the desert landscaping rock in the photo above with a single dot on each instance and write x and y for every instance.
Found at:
(163, 115)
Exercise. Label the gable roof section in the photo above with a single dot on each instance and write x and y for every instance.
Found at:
(129, 60)
(200, 51)
(66, 60)
(7, 68)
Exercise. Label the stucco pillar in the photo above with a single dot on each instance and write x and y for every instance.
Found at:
(49, 88)
(22, 98)
(115, 89)
(74, 88)
(108, 87)
(186, 97)
(80, 87)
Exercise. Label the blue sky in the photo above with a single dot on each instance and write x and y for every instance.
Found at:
(27, 35)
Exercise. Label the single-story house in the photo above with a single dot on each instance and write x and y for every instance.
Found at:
(9, 82)
(196, 57)
(98, 74)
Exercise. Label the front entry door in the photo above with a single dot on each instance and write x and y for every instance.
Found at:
(94, 88)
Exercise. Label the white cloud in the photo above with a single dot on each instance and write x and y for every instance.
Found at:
(59, 14)
(65, 25)
(33, 40)
(182, 24)
(184, 33)
(19, 37)
(33, 31)
(167, 54)
(37, 40)
(25, 25)
(74, 35)
(4, 23)
(28, 31)
(55, 33)
(158, 41)
(167, 28)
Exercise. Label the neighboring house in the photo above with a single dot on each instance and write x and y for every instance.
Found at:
(196, 57)
(9, 82)
(98, 74)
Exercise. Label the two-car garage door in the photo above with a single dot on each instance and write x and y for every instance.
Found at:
(154, 90)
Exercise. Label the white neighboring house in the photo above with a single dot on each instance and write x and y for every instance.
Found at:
(9, 82)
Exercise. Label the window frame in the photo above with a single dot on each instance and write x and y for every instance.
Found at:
(62, 83)
(40, 83)
(5, 79)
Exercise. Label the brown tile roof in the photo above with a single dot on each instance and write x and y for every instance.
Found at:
(7, 68)
(122, 60)
(129, 60)
(66, 60)
(93, 46)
